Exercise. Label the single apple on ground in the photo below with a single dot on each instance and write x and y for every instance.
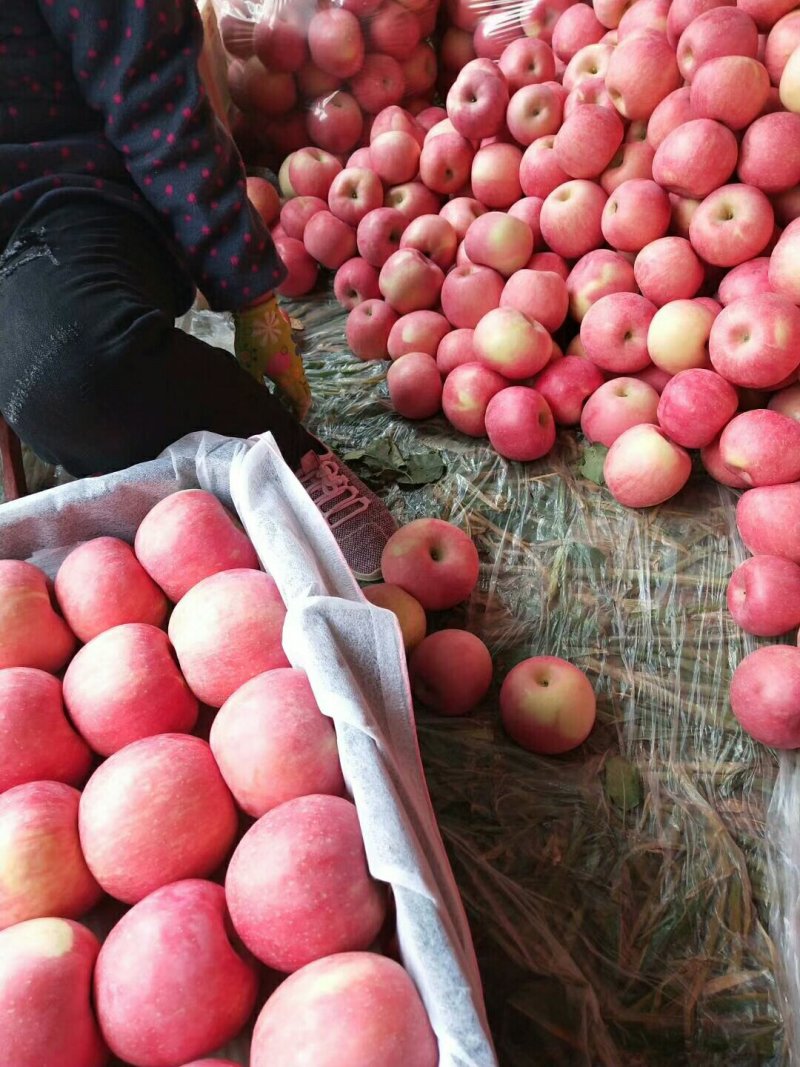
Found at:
(547, 705)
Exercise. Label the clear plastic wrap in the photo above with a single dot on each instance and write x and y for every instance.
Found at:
(303, 72)
(635, 902)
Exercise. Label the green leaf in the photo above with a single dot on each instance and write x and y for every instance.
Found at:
(383, 463)
(591, 466)
(623, 783)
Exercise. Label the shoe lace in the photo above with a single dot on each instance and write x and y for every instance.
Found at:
(331, 490)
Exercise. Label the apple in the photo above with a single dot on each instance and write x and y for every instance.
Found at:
(529, 210)
(169, 953)
(549, 261)
(336, 42)
(395, 158)
(591, 61)
(329, 240)
(507, 341)
(455, 349)
(295, 214)
(614, 332)
(633, 160)
(243, 611)
(597, 274)
(696, 158)
(571, 218)
(636, 213)
(272, 743)
(670, 113)
(534, 111)
(721, 31)
(677, 339)
(668, 269)
(140, 810)
(539, 295)
(732, 225)
(188, 536)
(420, 331)
(500, 241)
(301, 869)
(450, 672)
(420, 69)
(409, 281)
(495, 31)
(731, 89)
(642, 71)
(764, 594)
(539, 18)
(495, 175)
(412, 199)
(356, 281)
(394, 30)
(787, 402)
(409, 612)
(576, 27)
(769, 157)
(350, 1008)
(616, 406)
(40, 853)
(456, 49)
(434, 237)
(368, 327)
(430, 117)
(378, 84)
(682, 209)
(354, 192)
(649, 15)
(46, 1017)
(782, 276)
(747, 279)
(468, 293)
(31, 633)
(467, 391)
(588, 140)
(761, 446)
(434, 561)
(396, 118)
(461, 212)
(764, 695)
(547, 705)
(313, 82)
(477, 102)
(415, 386)
(695, 406)
(768, 520)
(378, 235)
(335, 121)
(527, 61)
(124, 685)
(782, 40)
(755, 341)
(237, 30)
(312, 172)
(264, 197)
(566, 385)
(253, 88)
(590, 91)
(279, 38)
(539, 170)
(519, 424)
(643, 467)
(713, 464)
(302, 276)
(445, 162)
(37, 742)
(766, 12)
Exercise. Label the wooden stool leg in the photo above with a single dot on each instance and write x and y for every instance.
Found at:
(14, 485)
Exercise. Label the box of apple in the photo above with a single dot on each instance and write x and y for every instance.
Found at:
(169, 782)
(600, 230)
(305, 72)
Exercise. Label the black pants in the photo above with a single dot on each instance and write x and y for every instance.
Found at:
(93, 373)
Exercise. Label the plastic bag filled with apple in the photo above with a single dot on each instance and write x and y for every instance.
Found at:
(306, 72)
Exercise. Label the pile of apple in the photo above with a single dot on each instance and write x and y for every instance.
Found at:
(310, 72)
(626, 194)
(157, 749)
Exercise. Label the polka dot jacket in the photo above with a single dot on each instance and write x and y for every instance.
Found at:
(103, 97)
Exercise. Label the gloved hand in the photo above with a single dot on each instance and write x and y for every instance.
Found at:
(265, 348)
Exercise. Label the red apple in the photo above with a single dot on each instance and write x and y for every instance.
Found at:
(407, 609)
(329, 240)
(450, 672)
(477, 101)
(762, 447)
(168, 954)
(313, 82)
(787, 402)
(696, 158)
(534, 111)
(432, 560)
(732, 225)
(394, 30)
(350, 1008)
(298, 887)
(356, 281)
(597, 274)
(540, 295)
(678, 336)
(539, 18)
(335, 122)
(527, 61)
(636, 213)
(539, 171)
(547, 705)
(510, 343)
(420, 69)
(415, 386)
(412, 199)
(434, 237)
(519, 424)
(764, 596)
(467, 391)
(500, 241)
(722, 31)
(614, 332)
(577, 27)
(713, 464)
(644, 468)
(633, 160)
(768, 519)
(264, 197)
(748, 279)
(445, 161)
(642, 70)
(566, 385)
(495, 175)
(280, 38)
(682, 12)
(668, 269)
(410, 282)
(31, 633)
(188, 536)
(587, 141)
(46, 1017)
(311, 172)
(695, 406)
(755, 341)
(379, 233)
(379, 84)
(765, 695)
(302, 276)
(769, 157)
(571, 218)
(296, 213)
(336, 42)
(420, 331)
(782, 266)
(616, 406)
(730, 89)
(673, 111)
(368, 327)
(455, 349)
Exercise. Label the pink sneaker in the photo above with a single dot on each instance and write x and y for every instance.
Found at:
(360, 522)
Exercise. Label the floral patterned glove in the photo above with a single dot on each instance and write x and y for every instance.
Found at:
(265, 348)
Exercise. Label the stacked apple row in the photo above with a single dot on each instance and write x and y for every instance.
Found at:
(179, 974)
(311, 73)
